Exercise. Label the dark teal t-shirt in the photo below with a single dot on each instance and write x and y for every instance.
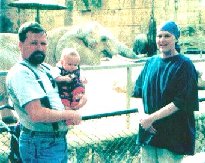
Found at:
(161, 82)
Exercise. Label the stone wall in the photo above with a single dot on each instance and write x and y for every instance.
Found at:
(125, 18)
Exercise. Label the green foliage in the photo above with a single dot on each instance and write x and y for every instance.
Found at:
(69, 4)
(88, 5)
(6, 26)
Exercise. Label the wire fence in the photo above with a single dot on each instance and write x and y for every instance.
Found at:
(103, 138)
(108, 137)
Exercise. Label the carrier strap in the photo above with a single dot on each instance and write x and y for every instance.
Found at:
(54, 124)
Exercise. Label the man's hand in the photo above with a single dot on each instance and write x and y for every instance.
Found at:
(81, 103)
(74, 118)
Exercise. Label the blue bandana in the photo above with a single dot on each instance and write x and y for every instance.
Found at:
(171, 27)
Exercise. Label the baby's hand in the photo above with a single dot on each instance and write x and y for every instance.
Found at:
(74, 105)
(83, 80)
(81, 103)
(67, 78)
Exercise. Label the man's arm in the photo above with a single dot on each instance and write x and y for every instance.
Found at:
(38, 113)
(63, 78)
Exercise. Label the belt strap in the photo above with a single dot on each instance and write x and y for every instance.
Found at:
(54, 134)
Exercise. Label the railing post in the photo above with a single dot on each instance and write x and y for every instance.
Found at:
(128, 93)
(129, 86)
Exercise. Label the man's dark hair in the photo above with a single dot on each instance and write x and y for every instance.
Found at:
(33, 27)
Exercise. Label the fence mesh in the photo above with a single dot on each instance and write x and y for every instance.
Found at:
(109, 139)
(4, 145)
(104, 140)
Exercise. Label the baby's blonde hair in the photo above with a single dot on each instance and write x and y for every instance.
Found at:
(69, 52)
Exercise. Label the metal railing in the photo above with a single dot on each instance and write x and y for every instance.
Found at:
(103, 137)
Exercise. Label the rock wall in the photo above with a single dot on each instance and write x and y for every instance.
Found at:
(125, 18)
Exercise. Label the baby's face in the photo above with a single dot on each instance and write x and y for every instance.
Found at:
(70, 63)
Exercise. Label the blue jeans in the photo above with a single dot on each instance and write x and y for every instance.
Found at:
(43, 148)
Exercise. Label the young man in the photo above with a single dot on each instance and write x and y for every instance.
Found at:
(168, 88)
(37, 102)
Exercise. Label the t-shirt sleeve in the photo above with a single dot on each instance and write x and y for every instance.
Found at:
(187, 88)
(137, 92)
(55, 72)
(26, 87)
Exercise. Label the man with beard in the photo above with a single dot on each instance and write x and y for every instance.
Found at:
(36, 100)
